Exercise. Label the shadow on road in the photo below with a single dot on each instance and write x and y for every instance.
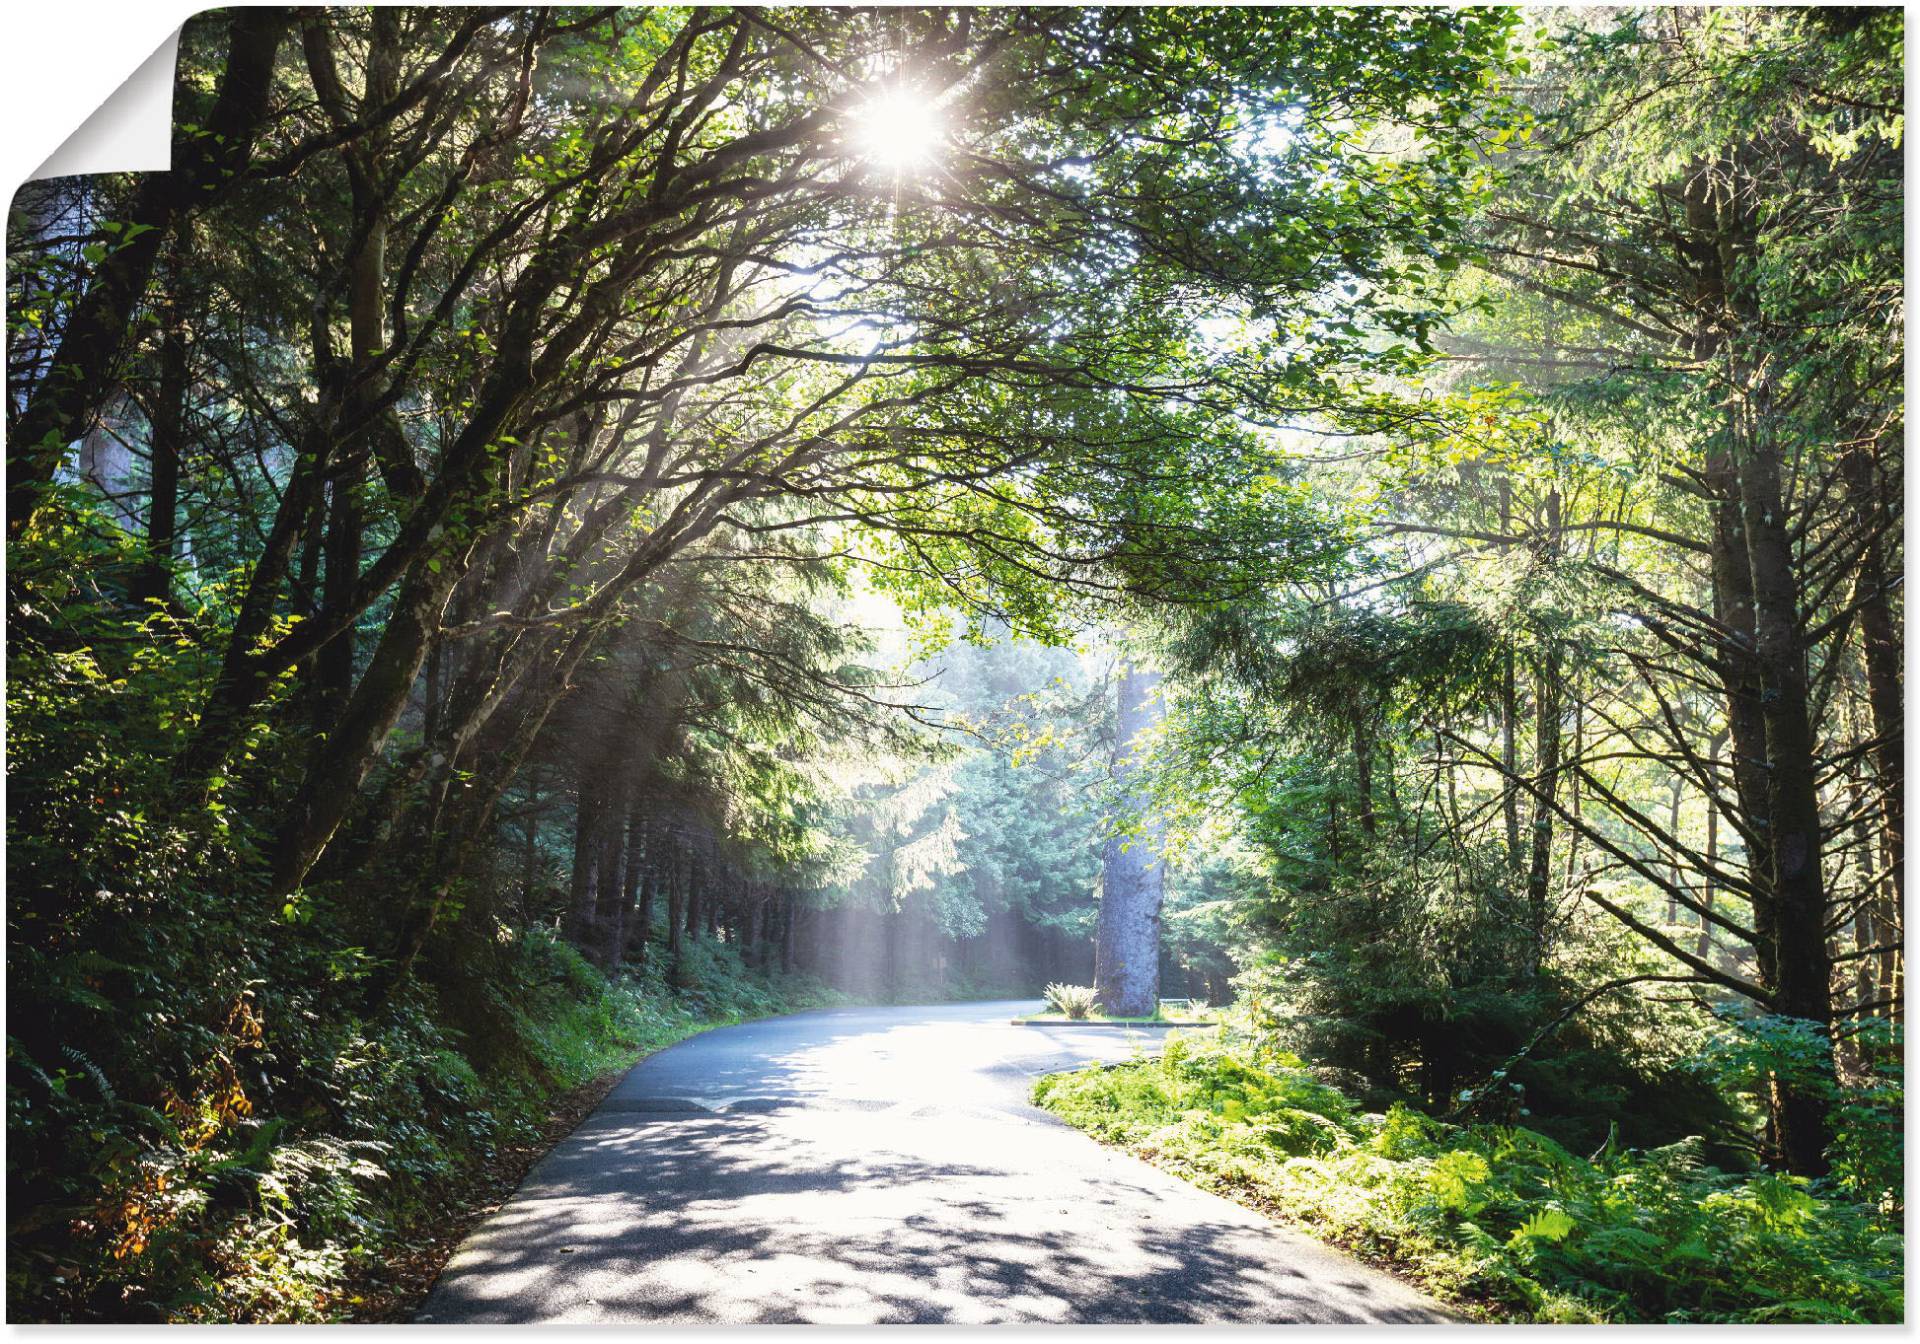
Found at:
(824, 1216)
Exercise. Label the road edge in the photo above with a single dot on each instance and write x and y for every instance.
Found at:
(408, 1273)
(1466, 1310)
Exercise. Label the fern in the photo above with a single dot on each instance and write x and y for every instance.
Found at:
(1501, 1215)
(1072, 1001)
(79, 1057)
(1546, 1225)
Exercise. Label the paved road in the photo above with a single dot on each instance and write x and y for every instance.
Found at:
(880, 1165)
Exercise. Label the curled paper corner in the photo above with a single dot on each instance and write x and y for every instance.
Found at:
(131, 132)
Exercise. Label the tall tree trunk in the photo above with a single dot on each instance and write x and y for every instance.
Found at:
(640, 861)
(1731, 568)
(678, 887)
(1889, 925)
(754, 927)
(1704, 948)
(1127, 939)
(789, 931)
(610, 908)
(1571, 692)
(366, 332)
(1676, 793)
(1865, 860)
(1745, 727)
(167, 442)
(1803, 965)
(640, 936)
(1546, 728)
(358, 736)
(1880, 658)
(696, 894)
(584, 892)
(346, 525)
(1363, 748)
(354, 743)
(1509, 711)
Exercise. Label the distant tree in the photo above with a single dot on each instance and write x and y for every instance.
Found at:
(1126, 966)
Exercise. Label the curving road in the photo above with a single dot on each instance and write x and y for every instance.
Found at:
(874, 1165)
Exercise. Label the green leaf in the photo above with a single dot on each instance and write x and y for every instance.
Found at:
(1548, 1225)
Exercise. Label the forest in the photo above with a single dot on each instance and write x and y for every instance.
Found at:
(552, 528)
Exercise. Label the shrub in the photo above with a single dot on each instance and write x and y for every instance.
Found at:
(1073, 1001)
(303, 1139)
(1501, 1215)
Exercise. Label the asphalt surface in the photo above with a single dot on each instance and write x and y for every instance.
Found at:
(877, 1165)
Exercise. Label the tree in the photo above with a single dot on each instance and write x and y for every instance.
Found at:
(1126, 974)
(1690, 264)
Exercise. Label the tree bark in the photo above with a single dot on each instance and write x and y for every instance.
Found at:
(1546, 729)
(614, 896)
(679, 883)
(639, 879)
(1704, 949)
(357, 737)
(167, 442)
(789, 928)
(583, 892)
(1509, 711)
(1803, 965)
(1127, 939)
(1880, 660)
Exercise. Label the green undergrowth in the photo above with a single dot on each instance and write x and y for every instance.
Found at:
(1081, 1003)
(321, 1143)
(1500, 1219)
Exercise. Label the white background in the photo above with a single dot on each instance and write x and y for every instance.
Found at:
(59, 59)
